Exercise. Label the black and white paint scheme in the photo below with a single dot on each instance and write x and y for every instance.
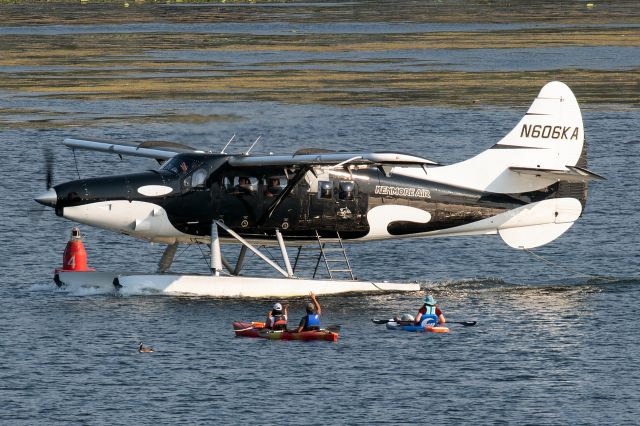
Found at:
(529, 188)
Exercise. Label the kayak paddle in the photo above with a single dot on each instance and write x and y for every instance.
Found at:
(384, 321)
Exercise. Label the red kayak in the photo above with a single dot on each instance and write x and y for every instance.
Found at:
(256, 329)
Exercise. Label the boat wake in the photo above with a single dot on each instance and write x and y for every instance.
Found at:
(500, 285)
(492, 284)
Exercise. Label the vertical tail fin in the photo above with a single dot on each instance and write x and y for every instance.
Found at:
(549, 137)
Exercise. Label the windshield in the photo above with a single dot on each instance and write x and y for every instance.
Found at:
(181, 165)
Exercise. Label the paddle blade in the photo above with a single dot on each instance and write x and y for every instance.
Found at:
(466, 323)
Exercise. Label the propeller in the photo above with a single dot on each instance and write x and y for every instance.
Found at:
(48, 167)
(48, 198)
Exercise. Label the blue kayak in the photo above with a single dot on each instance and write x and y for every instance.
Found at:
(393, 325)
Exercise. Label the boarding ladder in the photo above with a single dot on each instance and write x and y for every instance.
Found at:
(334, 256)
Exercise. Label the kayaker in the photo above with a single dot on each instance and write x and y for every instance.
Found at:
(277, 317)
(430, 313)
(311, 321)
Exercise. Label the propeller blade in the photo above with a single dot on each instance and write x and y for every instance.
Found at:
(48, 167)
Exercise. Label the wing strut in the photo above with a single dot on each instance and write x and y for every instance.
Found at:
(215, 249)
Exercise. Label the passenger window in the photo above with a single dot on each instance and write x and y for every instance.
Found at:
(346, 190)
(325, 189)
(241, 185)
(274, 186)
(227, 184)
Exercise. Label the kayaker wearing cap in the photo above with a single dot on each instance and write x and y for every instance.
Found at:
(277, 317)
(311, 321)
(429, 313)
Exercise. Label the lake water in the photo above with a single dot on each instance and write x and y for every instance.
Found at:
(557, 337)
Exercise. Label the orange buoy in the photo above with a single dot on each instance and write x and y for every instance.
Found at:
(75, 256)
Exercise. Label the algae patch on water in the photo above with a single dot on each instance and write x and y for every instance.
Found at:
(331, 54)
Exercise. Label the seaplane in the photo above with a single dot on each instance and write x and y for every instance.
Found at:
(529, 188)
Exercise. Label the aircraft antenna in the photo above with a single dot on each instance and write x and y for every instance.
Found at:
(254, 144)
(75, 160)
(225, 147)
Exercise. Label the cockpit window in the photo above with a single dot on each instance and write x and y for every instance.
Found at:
(196, 179)
(181, 165)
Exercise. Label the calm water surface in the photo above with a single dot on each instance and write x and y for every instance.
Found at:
(557, 336)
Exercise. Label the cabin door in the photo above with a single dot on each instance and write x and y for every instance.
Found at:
(239, 200)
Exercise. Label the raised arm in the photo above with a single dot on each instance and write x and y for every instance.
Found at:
(316, 304)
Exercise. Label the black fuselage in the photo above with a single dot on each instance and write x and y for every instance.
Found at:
(195, 189)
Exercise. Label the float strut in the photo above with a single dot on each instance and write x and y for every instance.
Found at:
(246, 244)
(243, 252)
(167, 258)
(285, 256)
(216, 256)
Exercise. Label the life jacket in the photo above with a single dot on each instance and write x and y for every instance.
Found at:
(429, 317)
(313, 322)
(278, 322)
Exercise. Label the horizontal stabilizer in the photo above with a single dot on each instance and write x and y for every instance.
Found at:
(527, 226)
(539, 223)
(571, 174)
(533, 236)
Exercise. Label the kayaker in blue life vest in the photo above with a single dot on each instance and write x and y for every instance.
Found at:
(429, 313)
(311, 321)
(277, 317)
